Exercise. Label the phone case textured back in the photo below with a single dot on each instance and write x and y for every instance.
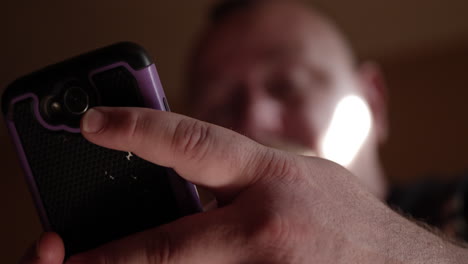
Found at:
(91, 195)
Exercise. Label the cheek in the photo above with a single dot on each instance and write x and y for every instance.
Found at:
(318, 113)
(307, 123)
(309, 120)
(213, 107)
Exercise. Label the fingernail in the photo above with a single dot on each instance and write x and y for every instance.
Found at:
(93, 121)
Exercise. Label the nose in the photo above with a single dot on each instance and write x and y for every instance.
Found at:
(261, 117)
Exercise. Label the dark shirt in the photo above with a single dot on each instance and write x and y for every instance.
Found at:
(441, 204)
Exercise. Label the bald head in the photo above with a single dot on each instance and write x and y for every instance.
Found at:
(276, 71)
(275, 29)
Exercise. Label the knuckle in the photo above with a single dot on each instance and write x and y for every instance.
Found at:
(128, 126)
(105, 259)
(191, 138)
(159, 248)
(136, 126)
(276, 165)
(271, 231)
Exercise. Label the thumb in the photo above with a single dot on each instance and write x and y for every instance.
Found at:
(207, 155)
(192, 239)
(48, 249)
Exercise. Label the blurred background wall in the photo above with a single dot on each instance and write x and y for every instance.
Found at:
(422, 46)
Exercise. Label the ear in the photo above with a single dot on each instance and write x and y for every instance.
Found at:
(375, 92)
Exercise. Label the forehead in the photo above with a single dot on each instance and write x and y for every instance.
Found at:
(272, 33)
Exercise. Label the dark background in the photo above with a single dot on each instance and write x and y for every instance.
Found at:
(422, 46)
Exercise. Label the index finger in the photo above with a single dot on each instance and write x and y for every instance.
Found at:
(202, 153)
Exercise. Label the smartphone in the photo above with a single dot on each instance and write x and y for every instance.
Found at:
(88, 194)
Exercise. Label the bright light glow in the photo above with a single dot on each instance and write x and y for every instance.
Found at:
(348, 130)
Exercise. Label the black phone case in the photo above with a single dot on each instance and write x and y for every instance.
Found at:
(91, 195)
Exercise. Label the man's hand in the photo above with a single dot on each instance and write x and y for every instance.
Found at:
(275, 207)
(48, 249)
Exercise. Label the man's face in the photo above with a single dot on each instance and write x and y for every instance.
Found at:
(277, 77)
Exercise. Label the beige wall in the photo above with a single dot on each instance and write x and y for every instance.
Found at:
(417, 42)
(382, 28)
(427, 113)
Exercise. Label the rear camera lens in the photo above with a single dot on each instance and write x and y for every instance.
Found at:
(55, 107)
(76, 100)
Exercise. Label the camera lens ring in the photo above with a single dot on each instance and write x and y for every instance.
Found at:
(76, 100)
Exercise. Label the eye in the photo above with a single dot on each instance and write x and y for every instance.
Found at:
(284, 89)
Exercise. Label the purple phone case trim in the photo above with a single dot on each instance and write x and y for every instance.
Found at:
(39, 116)
(153, 98)
(146, 85)
(24, 161)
